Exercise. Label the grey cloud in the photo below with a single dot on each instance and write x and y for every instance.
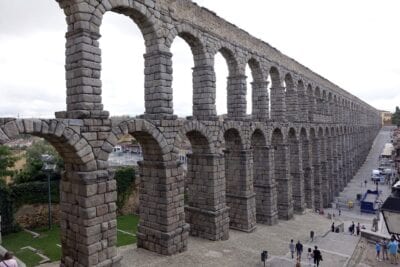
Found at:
(23, 16)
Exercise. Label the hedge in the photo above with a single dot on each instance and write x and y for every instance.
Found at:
(35, 192)
(6, 210)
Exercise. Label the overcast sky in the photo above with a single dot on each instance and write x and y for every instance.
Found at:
(353, 43)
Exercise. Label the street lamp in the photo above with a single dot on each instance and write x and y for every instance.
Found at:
(391, 211)
(48, 168)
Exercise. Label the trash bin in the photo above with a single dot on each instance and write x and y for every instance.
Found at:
(350, 204)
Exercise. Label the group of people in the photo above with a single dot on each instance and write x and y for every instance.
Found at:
(387, 247)
(353, 229)
(314, 257)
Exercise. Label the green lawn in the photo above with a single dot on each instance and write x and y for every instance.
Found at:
(127, 223)
(47, 242)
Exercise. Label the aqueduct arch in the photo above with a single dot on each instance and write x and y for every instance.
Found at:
(304, 139)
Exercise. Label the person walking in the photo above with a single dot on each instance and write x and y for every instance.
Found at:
(8, 260)
(291, 248)
(310, 257)
(378, 250)
(317, 256)
(358, 229)
(333, 227)
(352, 228)
(385, 249)
(340, 211)
(312, 235)
(299, 250)
(393, 247)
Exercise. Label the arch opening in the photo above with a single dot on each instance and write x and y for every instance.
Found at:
(183, 51)
(123, 91)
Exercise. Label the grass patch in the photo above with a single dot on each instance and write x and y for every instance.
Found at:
(29, 257)
(48, 240)
(127, 223)
(46, 243)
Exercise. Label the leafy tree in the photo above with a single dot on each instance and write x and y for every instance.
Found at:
(7, 161)
(8, 224)
(34, 164)
(396, 117)
(125, 178)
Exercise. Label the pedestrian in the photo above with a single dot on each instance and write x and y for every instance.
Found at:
(340, 211)
(378, 250)
(358, 229)
(385, 249)
(333, 227)
(310, 257)
(352, 227)
(299, 250)
(365, 182)
(8, 260)
(393, 247)
(317, 256)
(291, 248)
(312, 235)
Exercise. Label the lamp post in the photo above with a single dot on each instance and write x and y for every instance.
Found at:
(391, 211)
(49, 167)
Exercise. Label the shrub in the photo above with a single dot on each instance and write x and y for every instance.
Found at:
(125, 178)
(8, 224)
(34, 193)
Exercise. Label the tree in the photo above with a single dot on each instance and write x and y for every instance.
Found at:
(7, 161)
(125, 178)
(34, 164)
(396, 117)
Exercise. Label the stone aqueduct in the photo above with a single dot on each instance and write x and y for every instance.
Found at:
(297, 153)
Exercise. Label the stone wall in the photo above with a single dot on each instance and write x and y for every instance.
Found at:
(32, 216)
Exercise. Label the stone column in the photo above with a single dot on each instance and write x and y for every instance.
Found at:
(353, 152)
(204, 94)
(323, 171)
(88, 219)
(264, 186)
(337, 182)
(297, 176)
(162, 227)
(347, 159)
(317, 173)
(206, 209)
(303, 106)
(260, 101)
(341, 174)
(278, 105)
(284, 183)
(308, 174)
(312, 107)
(237, 97)
(292, 104)
(329, 169)
(83, 58)
(157, 84)
(240, 196)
